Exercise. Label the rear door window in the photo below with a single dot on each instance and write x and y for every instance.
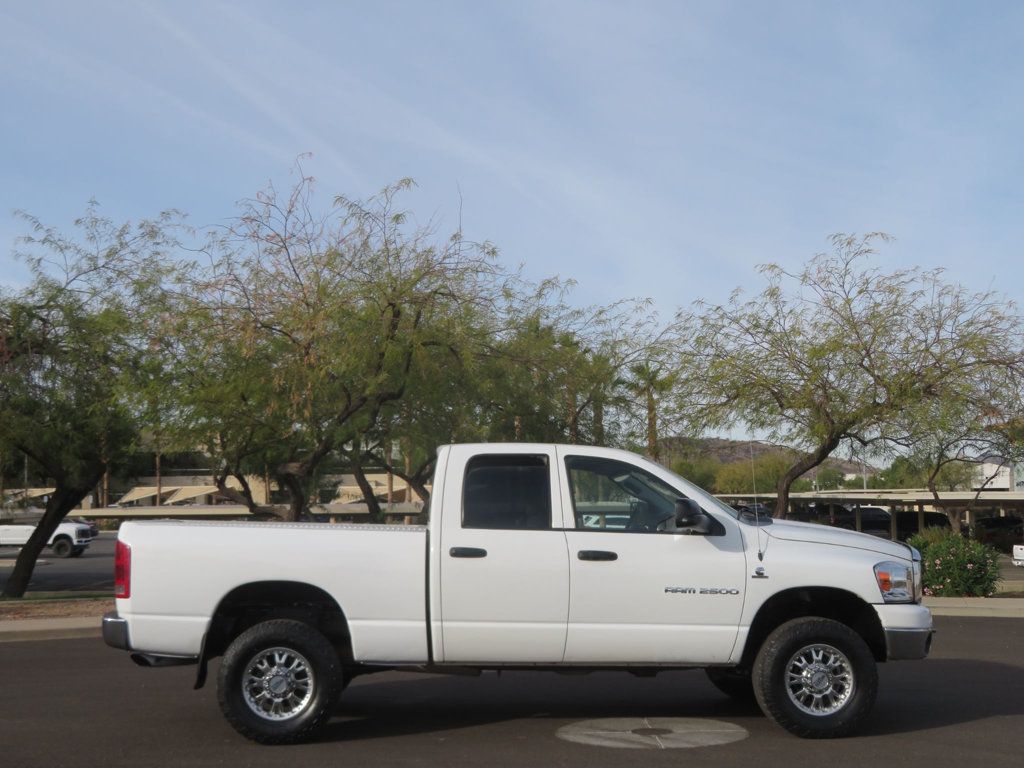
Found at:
(508, 492)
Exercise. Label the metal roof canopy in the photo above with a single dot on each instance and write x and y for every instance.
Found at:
(190, 492)
(145, 491)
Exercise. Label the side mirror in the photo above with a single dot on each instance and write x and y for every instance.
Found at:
(690, 515)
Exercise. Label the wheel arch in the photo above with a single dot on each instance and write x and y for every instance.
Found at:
(253, 602)
(827, 602)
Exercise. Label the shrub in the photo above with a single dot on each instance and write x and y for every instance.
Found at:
(955, 566)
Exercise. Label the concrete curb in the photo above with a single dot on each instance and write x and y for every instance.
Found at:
(15, 630)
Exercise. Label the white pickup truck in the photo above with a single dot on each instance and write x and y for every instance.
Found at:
(543, 557)
(69, 540)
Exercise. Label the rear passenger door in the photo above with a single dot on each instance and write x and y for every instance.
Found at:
(504, 562)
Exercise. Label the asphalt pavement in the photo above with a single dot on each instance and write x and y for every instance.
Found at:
(93, 571)
(79, 703)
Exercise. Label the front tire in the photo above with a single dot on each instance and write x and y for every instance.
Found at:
(63, 547)
(279, 681)
(816, 678)
(78, 551)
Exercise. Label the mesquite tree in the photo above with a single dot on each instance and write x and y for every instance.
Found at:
(838, 351)
(71, 347)
(340, 307)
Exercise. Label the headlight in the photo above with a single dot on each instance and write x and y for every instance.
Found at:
(896, 582)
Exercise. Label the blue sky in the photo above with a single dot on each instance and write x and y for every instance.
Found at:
(644, 149)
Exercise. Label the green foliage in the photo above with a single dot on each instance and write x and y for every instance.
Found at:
(840, 351)
(700, 470)
(73, 346)
(955, 566)
(742, 477)
(829, 478)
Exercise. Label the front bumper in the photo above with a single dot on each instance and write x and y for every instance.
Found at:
(907, 628)
(115, 631)
(907, 644)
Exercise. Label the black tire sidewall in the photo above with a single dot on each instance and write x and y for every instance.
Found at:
(327, 681)
(63, 547)
(770, 669)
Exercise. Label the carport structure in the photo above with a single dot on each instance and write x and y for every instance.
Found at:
(898, 500)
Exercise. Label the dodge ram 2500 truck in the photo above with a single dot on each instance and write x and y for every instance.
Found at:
(543, 557)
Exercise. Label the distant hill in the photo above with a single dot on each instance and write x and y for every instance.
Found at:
(730, 451)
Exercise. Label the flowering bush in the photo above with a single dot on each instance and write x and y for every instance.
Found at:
(955, 566)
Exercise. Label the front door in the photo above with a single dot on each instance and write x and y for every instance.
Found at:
(642, 591)
(504, 564)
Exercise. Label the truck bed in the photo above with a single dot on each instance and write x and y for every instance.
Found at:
(181, 570)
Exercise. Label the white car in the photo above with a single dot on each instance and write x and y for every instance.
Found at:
(1018, 555)
(69, 540)
(540, 557)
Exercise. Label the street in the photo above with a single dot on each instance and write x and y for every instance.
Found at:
(92, 572)
(79, 703)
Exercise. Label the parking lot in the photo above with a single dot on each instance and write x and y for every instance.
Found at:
(80, 703)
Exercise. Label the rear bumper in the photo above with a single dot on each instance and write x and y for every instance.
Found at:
(907, 644)
(115, 631)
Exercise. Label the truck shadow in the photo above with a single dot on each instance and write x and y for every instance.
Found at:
(912, 698)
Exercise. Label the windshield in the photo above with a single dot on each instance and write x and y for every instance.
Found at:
(696, 493)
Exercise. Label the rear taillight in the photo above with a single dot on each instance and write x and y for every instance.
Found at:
(122, 570)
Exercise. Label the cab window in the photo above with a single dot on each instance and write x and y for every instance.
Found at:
(616, 496)
(510, 492)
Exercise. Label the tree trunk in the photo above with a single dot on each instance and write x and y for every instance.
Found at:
(572, 417)
(159, 480)
(296, 496)
(243, 496)
(518, 424)
(372, 505)
(417, 480)
(598, 422)
(64, 499)
(391, 478)
(805, 463)
(294, 474)
(652, 425)
(954, 515)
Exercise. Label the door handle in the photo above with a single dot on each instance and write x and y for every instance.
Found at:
(596, 554)
(467, 552)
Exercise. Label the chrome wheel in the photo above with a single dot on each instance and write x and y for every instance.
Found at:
(819, 679)
(278, 683)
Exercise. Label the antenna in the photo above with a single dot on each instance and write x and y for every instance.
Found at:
(757, 516)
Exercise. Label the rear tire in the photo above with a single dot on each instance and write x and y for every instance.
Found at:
(279, 681)
(816, 678)
(63, 547)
